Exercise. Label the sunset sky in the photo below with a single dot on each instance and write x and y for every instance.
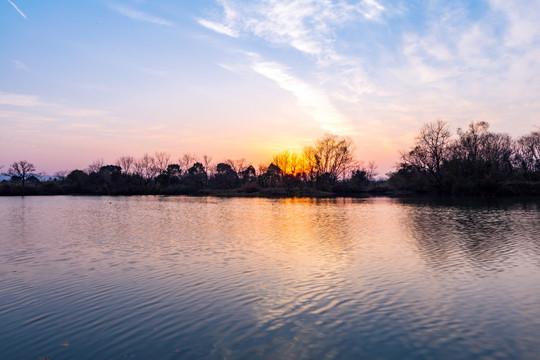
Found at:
(81, 80)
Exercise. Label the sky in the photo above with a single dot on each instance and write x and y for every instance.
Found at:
(83, 80)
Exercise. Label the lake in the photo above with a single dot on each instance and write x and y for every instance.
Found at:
(250, 278)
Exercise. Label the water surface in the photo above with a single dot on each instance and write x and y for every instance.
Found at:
(210, 278)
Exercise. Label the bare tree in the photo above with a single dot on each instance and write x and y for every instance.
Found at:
(430, 150)
(295, 165)
(310, 162)
(207, 162)
(61, 174)
(371, 171)
(261, 169)
(138, 167)
(95, 165)
(145, 166)
(496, 148)
(282, 160)
(333, 155)
(161, 161)
(186, 161)
(528, 152)
(469, 143)
(237, 165)
(126, 163)
(21, 169)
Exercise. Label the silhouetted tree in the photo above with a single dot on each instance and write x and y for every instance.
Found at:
(480, 161)
(237, 165)
(225, 177)
(186, 161)
(161, 161)
(171, 176)
(145, 167)
(61, 174)
(175, 173)
(527, 153)
(110, 169)
(272, 176)
(21, 169)
(248, 175)
(430, 150)
(207, 162)
(78, 179)
(469, 142)
(360, 178)
(126, 163)
(94, 166)
(196, 176)
(330, 158)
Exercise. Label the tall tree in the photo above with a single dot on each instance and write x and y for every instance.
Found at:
(333, 156)
(430, 150)
(145, 166)
(161, 161)
(186, 161)
(470, 141)
(21, 169)
(126, 163)
(207, 162)
(528, 152)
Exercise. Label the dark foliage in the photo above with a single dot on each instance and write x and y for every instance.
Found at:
(477, 162)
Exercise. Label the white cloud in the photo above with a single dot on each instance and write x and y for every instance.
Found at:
(311, 100)
(449, 60)
(522, 21)
(371, 9)
(17, 8)
(139, 15)
(307, 26)
(310, 28)
(217, 27)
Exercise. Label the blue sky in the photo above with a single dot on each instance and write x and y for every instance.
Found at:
(101, 79)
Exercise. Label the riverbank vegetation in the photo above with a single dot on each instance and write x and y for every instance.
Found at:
(473, 162)
(323, 169)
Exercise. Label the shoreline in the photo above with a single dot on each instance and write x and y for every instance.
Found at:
(272, 193)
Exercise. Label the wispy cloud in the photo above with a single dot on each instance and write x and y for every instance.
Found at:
(85, 113)
(20, 65)
(307, 26)
(139, 15)
(29, 101)
(491, 63)
(390, 68)
(17, 8)
(217, 27)
(311, 100)
(22, 100)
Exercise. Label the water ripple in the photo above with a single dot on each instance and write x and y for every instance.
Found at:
(192, 278)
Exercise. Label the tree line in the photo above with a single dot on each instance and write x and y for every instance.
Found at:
(474, 161)
(321, 169)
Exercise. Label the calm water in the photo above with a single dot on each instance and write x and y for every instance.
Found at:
(206, 278)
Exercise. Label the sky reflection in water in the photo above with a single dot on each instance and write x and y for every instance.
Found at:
(180, 277)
